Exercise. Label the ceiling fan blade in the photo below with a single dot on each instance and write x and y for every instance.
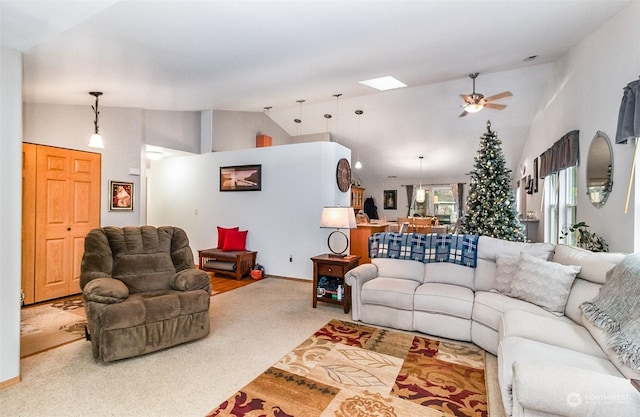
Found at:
(464, 113)
(495, 106)
(498, 96)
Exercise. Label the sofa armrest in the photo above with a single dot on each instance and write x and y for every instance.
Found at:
(572, 392)
(105, 291)
(191, 279)
(356, 279)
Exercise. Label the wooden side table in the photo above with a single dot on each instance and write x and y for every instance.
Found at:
(243, 260)
(331, 266)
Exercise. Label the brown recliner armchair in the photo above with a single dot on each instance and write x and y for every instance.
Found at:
(141, 290)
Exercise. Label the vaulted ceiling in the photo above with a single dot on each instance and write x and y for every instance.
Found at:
(248, 55)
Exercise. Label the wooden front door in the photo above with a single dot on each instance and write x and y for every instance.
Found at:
(67, 207)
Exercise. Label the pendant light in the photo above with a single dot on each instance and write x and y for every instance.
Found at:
(420, 194)
(358, 164)
(299, 119)
(337, 96)
(96, 139)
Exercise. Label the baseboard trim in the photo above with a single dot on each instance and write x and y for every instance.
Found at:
(10, 382)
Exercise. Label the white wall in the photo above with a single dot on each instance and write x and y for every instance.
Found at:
(283, 219)
(125, 132)
(585, 93)
(233, 130)
(10, 212)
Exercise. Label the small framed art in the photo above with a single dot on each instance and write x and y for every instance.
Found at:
(535, 175)
(241, 178)
(121, 196)
(390, 201)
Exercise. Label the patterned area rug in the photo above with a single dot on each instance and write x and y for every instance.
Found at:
(352, 370)
(49, 325)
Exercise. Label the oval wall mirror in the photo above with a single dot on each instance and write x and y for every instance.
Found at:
(599, 169)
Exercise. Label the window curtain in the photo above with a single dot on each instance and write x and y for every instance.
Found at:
(409, 199)
(456, 190)
(564, 153)
(629, 114)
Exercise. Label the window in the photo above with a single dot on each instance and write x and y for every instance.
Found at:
(561, 196)
(440, 202)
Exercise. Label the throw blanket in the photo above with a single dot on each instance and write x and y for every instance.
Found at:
(433, 247)
(616, 310)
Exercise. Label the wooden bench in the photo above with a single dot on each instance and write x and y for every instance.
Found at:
(233, 263)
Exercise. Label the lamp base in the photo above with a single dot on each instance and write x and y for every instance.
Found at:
(338, 253)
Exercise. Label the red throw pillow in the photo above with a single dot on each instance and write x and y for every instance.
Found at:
(222, 232)
(235, 240)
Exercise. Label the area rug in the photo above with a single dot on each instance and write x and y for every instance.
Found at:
(49, 325)
(352, 370)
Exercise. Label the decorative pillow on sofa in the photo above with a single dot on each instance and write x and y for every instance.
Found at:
(222, 233)
(235, 240)
(506, 267)
(546, 284)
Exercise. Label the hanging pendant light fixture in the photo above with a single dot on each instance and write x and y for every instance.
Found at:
(420, 193)
(358, 164)
(299, 119)
(96, 139)
(337, 96)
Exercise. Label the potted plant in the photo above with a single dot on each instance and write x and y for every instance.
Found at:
(586, 239)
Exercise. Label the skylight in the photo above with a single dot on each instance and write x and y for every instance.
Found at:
(384, 83)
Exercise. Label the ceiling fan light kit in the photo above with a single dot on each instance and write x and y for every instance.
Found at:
(475, 102)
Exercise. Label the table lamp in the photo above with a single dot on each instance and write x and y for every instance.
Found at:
(338, 218)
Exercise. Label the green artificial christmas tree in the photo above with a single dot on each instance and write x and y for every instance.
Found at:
(491, 209)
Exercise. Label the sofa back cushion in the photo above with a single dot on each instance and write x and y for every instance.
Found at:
(448, 273)
(595, 265)
(400, 268)
(489, 248)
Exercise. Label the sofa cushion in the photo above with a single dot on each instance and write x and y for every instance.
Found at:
(506, 267)
(601, 338)
(488, 306)
(489, 248)
(389, 292)
(516, 349)
(447, 273)
(451, 300)
(543, 283)
(557, 331)
(581, 291)
(399, 268)
(595, 265)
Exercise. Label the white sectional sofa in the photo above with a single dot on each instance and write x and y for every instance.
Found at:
(549, 362)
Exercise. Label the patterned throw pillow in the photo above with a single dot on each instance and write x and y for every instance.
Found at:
(506, 267)
(546, 284)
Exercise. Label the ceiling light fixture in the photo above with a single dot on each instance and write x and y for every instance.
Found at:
(358, 164)
(299, 119)
(337, 96)
(421, 194)
(96, 140)
(384, 83)
(154, 155)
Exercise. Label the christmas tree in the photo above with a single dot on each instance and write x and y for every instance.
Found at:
(491, 209)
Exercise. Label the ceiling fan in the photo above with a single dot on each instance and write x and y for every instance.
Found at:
(475, 102)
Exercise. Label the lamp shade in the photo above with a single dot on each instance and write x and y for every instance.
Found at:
(338, 218)
(96, 141)
(421, 195)
(473, 107)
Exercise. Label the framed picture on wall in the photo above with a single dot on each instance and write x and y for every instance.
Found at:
(241, 178)
(390, 199)
(535, 175)
(121, 196)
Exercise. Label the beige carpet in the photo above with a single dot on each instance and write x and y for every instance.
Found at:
(274, 315)
(52, 324)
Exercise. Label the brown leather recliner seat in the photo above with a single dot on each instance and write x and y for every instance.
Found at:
(142, 291)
